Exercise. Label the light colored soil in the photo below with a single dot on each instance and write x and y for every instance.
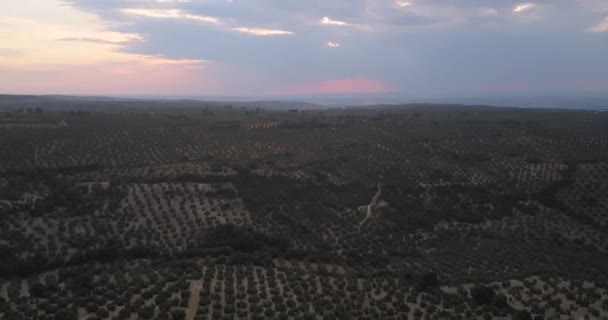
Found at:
(25, 289)
(195, 295)
(82, 314)
(371, 206)
(3, 290)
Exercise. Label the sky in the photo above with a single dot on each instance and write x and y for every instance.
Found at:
(416, 48)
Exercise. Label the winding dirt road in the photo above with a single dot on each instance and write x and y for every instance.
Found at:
(370, 207)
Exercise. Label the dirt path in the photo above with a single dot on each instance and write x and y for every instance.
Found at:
(195, 296)
(370, 207)
(4, 290)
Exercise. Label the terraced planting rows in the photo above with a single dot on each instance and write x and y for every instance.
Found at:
(222, 213)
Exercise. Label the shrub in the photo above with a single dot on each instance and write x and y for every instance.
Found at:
(428, 280)
(500, 300)
(39, 290)
(482, 295)
(522, 315)
(178, 314)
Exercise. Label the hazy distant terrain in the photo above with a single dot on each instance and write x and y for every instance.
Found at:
(573, 102)
(114, 208)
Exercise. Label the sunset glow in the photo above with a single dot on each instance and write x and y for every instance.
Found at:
(255, 48)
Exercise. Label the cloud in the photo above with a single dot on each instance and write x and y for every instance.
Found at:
(339, 86)
(595, 5)
(421, 46)
(71, 51)
(180, 14)
(487, 12)
(9, 52)
(263, 32)
(331, 22)
(161, 1)
(45, 43)
(103, 37)
(169, 14)
(173, 1)
(327, 20)
(523, 7)
(401, 16)
(600, 27)
(404, 4)
(154, 13)
(134, 77)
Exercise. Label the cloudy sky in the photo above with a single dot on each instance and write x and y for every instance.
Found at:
(418, 48)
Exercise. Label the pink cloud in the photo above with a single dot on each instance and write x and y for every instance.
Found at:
(117, 78)
(345, 85)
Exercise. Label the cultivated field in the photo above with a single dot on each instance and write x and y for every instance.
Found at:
(199, 211)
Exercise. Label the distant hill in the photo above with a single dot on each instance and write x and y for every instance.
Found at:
(9, 98)
(57, 102)
(270, 105)
(592, 102)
